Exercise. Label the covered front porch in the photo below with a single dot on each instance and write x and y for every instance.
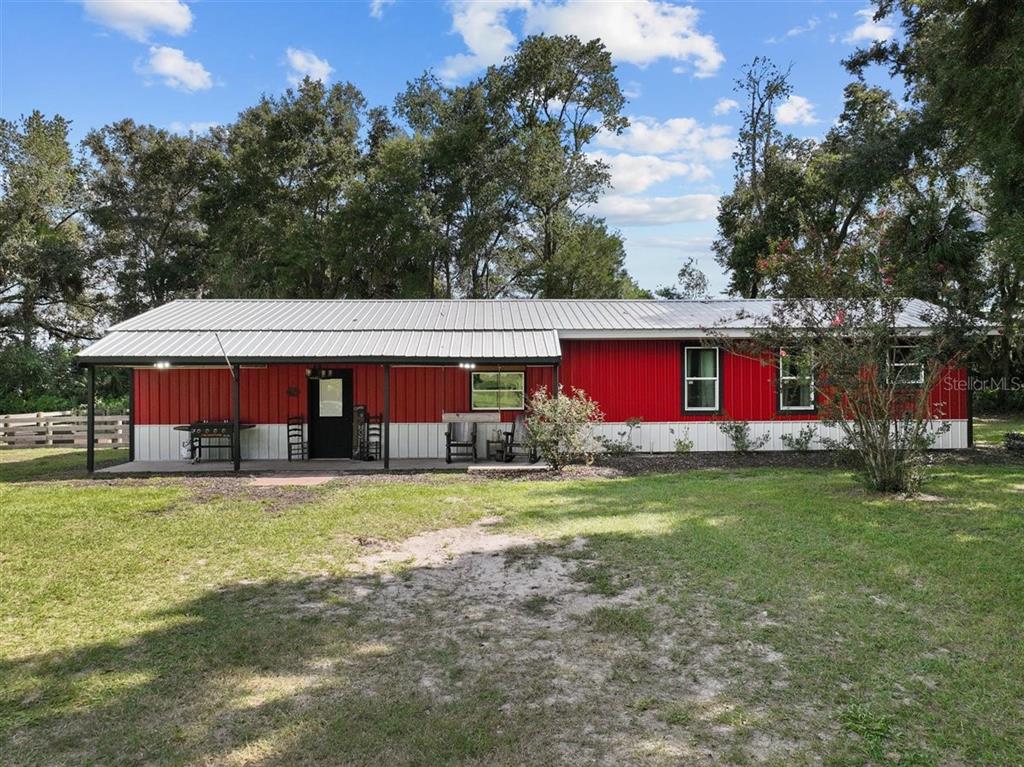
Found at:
(261, 375)
(257, 407)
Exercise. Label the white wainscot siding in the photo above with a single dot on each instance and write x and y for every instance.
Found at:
(417, 440)
(270, 442)
(426, 440)
(264, 441)
(708, 436)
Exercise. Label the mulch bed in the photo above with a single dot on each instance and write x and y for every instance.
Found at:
(641, 463)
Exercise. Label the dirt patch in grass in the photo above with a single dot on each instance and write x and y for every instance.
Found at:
(616, 676)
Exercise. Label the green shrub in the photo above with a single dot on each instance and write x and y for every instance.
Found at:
(623, 445)
(683, 444)
(738, 433)
(801, 441)
(1014, 440)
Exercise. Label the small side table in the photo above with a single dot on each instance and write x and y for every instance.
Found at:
(494, 448)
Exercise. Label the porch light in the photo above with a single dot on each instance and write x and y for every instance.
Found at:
(161, 364)
(467, 365)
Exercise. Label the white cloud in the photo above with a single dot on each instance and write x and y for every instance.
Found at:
(175, 70)
(138, 18)
(632, 173)
(681, 136)
(869, 30)
(483, 29)
(632, 90)
(306, 64)
(638, 32)
(724, 106)
(192, 127)
(377, 7)
(810, 26)
(796, 110)
(651, 211)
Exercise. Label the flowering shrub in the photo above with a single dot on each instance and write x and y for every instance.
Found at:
(873, 379)
(558, 425)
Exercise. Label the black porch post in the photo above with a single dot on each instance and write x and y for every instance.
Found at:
(970, 409)
(387, 418)
(236, 409)
(90, 419)
(555, 384)
(131, 414)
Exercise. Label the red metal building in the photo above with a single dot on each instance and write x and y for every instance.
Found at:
(419, 363)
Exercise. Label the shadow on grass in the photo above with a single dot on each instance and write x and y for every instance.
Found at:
(245, 674)
(359, 671)
(31, 465)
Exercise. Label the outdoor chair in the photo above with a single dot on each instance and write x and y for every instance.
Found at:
(460, 441)
(515, 442)
(374, 433)
(298, 448)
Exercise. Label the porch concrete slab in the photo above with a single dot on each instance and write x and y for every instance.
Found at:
(505, 468)
(318, 468)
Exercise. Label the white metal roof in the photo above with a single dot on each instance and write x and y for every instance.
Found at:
(261, 345)
(408, 330)
(469, 314)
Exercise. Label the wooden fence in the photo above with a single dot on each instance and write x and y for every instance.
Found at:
(66, 428)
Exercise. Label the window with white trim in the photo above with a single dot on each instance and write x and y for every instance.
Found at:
(905, 366)
(497, 390)
(796, 381)
(700, 378)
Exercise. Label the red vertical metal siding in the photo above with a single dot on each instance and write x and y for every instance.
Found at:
(182, 396)
(418, 395)
(949, 397)
(643, 379)
(628, 379)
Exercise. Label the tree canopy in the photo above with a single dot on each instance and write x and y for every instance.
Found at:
(484, 190)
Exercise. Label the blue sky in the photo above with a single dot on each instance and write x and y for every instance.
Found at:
(182, 65)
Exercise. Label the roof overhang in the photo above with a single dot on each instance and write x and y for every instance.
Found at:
(687, 333)
(641, 335)
(250, 362)
(399, 347)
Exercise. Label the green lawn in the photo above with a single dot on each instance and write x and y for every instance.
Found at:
(989, 432)
(779, 617)
(25, 465)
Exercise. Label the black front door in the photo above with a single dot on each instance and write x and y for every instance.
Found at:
(330, 414)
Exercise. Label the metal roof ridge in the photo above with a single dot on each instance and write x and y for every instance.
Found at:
(501, 299)
(334, 330)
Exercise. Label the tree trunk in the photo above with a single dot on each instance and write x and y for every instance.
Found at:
(28, 317)
(1005, 369)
